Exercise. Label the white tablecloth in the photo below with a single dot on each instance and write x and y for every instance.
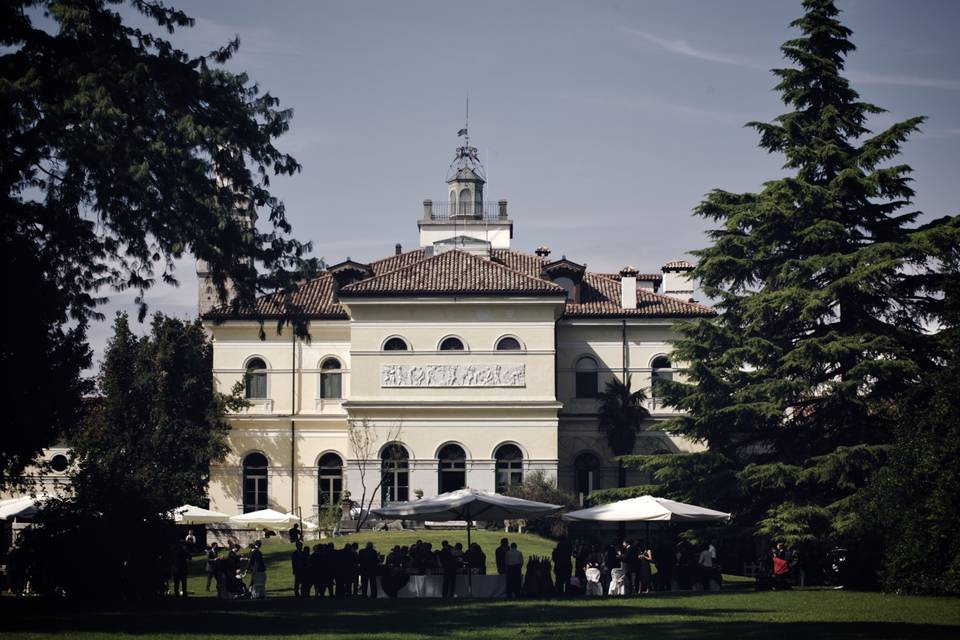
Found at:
(432, 587)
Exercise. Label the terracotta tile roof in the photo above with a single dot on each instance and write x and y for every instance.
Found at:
(600, 298)
(455, 272)
(315, 296)
(451, 272)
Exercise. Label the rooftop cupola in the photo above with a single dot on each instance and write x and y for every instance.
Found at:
(465, 180)
(465, 214)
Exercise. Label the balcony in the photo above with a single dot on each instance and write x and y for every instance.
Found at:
(488, 211)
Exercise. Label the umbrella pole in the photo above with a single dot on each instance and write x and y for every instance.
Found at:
(470, 569)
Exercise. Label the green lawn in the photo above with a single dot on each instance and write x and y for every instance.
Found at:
(738, 612)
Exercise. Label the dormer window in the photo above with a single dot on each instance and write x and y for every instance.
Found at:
(567, 274)
(567, 285)
(349, 271)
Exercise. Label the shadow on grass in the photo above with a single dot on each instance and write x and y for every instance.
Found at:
(661, 618)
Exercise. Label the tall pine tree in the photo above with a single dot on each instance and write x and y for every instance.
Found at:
(797, 382)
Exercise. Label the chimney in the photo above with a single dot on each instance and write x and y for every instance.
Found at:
(502, 208)
(676, 279)
(397, 250)
(628, 288)
(427, 209)
(542, 251)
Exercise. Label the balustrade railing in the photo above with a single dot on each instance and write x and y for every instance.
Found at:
(489, 210)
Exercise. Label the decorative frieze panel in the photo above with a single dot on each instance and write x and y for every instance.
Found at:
(453, 375)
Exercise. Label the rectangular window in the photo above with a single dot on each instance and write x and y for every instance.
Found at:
(586, 384)
(330, 385)
(256, 385)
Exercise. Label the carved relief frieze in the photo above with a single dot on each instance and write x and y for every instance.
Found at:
(453, 375)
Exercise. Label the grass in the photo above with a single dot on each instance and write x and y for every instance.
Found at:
(738, 612)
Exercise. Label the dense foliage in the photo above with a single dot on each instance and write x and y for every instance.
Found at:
(824, 287)
(120, 154)
(916, 497)
(144, 448)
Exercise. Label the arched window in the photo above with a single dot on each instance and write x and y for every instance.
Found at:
(567, 285)
(509, 467)
(395, 467)
(395, 344)
(254, 482)
(585, 467)
(331, 379)
(256, 379)
(586, 378)
(466, 202)
(508, 343)
(330, 485)
(452, 468)
(661, 370)
(451, 344)
(59, 463)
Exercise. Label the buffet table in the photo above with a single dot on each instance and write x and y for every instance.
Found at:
(431, 586)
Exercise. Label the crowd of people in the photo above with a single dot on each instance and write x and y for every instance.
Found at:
(324, 570)
(633, 567)
(228, 567)
(351, 571)
(628, 568)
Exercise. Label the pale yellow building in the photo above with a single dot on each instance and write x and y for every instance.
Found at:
(469, 362)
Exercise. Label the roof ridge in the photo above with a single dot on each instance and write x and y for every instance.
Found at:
(480, 261)
(392, 271)
(521, 273)
(523, 253)
(396, 255)
(667, 298)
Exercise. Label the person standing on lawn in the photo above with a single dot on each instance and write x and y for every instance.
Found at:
(315, 570)
(448, 562)
(369, 570)
(296, 567)
(211, 567)
(645, 571)
(258, 573)
(705, 566)
(343, 569)
(514, 562)
(563, 565)
(294, 534)
(179, 569)
(501, 556)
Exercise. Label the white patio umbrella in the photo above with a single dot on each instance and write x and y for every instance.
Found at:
(466, 504)
(189, 514)
(265, 519)
(646, 509)
(20, 507)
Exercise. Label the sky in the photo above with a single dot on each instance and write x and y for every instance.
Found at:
(603, 123)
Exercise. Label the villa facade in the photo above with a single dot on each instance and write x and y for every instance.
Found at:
(465, 362)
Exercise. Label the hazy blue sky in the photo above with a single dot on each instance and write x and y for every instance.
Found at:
(603, 123)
